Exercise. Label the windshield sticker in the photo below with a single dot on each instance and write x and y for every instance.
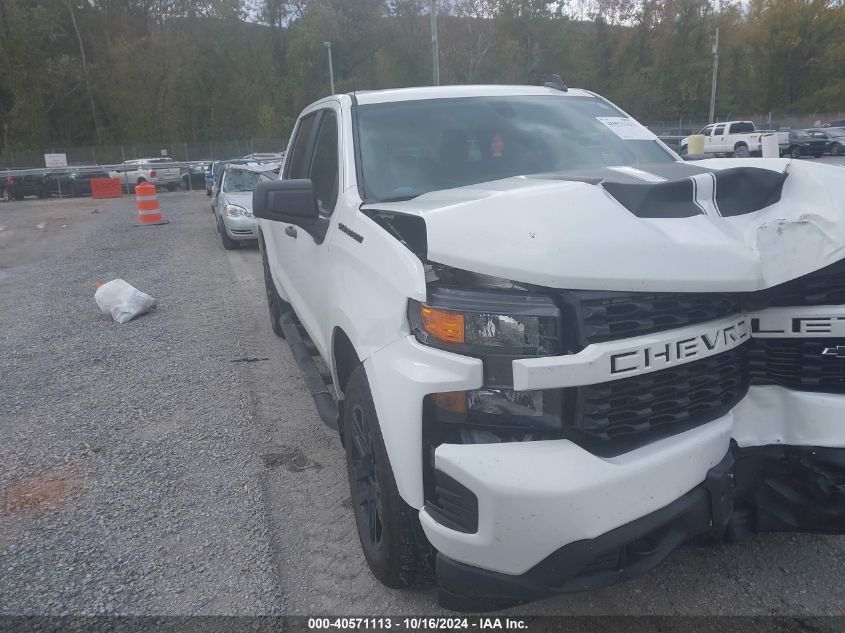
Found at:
(626, 128)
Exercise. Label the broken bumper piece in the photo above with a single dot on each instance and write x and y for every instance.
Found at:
(757, 489)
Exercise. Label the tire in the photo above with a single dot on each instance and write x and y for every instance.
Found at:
(835, 149)
(795, 152)
(741, 151)
(683, 151)
(275, 303)
(228, 243)
(383, 519)
(6, 196)
(171, 186)
(73, 190)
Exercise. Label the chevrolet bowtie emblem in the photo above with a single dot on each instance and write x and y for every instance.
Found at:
(836, 352)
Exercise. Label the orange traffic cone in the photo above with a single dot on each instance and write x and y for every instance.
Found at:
(147, 203)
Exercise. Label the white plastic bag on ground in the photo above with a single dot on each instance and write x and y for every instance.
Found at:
(122, 300)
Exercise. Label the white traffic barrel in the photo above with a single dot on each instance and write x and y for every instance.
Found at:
(695, 145)
(769, 144)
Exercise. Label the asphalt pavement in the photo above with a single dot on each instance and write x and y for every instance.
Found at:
(175, 465)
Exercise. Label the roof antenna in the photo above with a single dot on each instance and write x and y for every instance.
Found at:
(556, 83)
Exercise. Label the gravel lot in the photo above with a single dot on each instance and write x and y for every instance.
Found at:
(175, 464)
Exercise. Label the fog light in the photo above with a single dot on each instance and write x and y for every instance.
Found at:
(500, 408)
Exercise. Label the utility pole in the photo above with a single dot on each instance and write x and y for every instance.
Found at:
(715, 74)
(435, 57)
(328, 46)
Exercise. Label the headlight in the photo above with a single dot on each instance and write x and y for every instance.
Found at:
(483, 323)
(233, 210)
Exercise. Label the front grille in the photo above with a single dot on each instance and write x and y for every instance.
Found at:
(797, 364)
(820, 288)
(617, 416)
(606, 316)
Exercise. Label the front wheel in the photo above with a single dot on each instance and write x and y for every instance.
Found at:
(275, 303)
(383, 519)
(795, 152)
(228, 243)
(741, 151)
(835, 149)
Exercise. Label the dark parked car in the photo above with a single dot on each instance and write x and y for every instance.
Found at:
(19, 186)
(76, 181)
(196, 172)
(673, 136)
(834, 138)
(802, 144)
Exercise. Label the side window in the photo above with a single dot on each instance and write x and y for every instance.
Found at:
(324, 165)
(720, 129)
(742, 128)
(297, 167)
(706, 131)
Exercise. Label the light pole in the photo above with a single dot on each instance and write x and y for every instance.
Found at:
(715, 73)
(328, 46)
(435, 57)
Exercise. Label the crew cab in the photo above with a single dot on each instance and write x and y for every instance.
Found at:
(739, 139)
(557, 352)
(160, 172)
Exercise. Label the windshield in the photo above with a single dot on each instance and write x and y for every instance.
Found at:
(412, 147)
(240, 180)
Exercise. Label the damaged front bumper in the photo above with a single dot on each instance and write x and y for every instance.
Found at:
(753, 489)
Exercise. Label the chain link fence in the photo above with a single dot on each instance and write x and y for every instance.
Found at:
(768, 120)
(31, 158)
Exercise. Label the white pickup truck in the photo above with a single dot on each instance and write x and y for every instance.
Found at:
(156, 171)
(556, 351)
(739, 139)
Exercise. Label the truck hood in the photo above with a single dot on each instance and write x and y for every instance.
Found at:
(757, 224)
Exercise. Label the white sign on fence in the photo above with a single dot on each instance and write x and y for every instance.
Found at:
(55, 160)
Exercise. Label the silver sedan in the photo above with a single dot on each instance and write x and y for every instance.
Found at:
(233, 203)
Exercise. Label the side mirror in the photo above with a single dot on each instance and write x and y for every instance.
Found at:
(290, 201)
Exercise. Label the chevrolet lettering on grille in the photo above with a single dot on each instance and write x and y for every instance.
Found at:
(622, 358)
(665, 354)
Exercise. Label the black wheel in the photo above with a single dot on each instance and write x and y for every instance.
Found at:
(683, 151)
(228, 243)
(275, 303)
(835, 149)
(171, 186)
(383, 519)
(73, 189)
(795, 152)
(741, 151)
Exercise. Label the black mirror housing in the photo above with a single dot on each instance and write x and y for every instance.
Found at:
(290, 201)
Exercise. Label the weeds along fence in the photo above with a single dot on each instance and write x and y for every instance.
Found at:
(28, 158)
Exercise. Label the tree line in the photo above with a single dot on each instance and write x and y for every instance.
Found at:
(76, 72)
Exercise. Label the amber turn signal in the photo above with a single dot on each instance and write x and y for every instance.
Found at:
(444, 325)
(455, 401)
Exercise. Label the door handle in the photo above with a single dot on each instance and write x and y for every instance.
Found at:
(290, 230)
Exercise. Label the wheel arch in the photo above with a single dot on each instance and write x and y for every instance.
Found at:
(344, 358)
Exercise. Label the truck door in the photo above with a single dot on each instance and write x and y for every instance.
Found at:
(720, 139)
(302, 262)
